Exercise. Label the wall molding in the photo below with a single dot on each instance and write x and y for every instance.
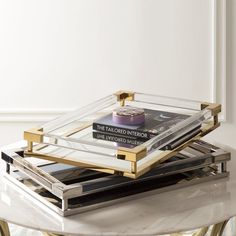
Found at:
(219, 54)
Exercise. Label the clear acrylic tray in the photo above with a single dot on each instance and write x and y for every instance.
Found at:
(69, 139)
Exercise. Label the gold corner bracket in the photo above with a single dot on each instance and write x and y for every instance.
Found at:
(215, 109)
(124, 95)
(34, 135)
(132, 154)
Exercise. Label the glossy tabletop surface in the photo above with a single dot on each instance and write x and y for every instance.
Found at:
(173, 211)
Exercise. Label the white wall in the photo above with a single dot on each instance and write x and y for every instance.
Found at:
(226, 134)
(58, 55)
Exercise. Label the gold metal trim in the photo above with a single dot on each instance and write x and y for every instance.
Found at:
(223, 227)
(51, 234)
(59, 159)
(210, 127)
(201, 232)
(132, 154)
(214, 107)
(4, 229)
(34, 135)
(152, 163)
(124, 95)
(216, 229)
(134, 167)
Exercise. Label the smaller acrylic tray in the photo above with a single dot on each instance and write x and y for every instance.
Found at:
(69, 139)
(68, 190)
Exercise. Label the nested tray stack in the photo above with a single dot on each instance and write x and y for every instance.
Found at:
(81, 168)
(69, 190)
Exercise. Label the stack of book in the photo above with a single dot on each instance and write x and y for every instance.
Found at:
(156, 122)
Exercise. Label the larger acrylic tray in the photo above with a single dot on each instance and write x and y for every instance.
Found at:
(68, 190)
(69, 138)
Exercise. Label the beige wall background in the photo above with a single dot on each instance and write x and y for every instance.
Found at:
(59, 55)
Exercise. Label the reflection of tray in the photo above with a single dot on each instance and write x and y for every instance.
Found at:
(68, 190)
(69, 139)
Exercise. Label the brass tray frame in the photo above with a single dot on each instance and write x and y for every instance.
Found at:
(130, 156)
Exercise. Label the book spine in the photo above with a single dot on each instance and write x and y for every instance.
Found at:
(122, 131)
(117, 139)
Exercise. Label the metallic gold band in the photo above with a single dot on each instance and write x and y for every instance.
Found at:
(4, 229)
(215, 230)
(201, 232)
(51, 234)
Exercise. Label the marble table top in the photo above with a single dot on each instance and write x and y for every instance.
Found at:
(173, 211)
